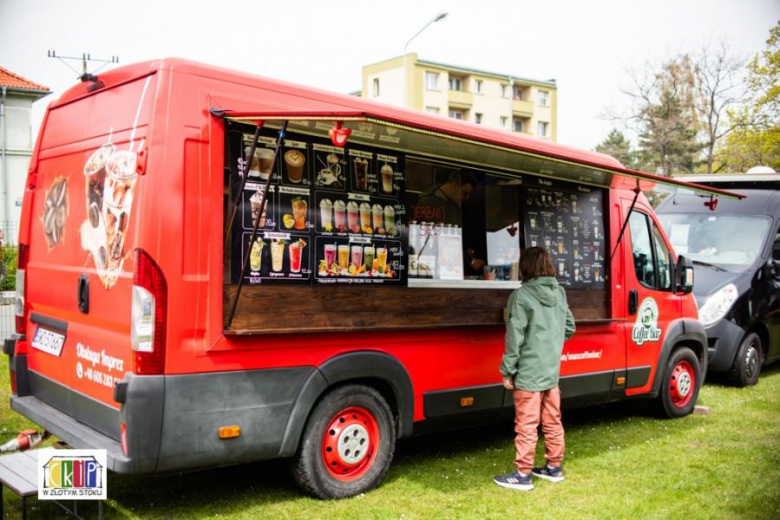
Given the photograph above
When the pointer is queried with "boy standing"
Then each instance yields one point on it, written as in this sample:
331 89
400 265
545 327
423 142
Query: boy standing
539 322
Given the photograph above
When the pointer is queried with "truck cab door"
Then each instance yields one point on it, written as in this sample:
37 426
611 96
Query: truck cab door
651 305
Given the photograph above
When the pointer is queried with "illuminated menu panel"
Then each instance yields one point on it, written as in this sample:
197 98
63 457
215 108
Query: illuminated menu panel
333 215
568 221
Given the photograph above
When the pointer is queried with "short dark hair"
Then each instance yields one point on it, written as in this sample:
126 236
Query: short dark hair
536 262
462 177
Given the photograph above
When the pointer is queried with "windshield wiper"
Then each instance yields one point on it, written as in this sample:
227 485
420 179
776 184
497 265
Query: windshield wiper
712 266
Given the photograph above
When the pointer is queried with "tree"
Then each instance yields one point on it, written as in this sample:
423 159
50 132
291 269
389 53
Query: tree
667 136
664 117
680 109
717 86
617 146
756 138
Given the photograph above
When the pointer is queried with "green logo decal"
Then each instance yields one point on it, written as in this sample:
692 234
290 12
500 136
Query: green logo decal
646 327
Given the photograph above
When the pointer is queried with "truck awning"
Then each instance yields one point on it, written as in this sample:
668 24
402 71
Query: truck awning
441 138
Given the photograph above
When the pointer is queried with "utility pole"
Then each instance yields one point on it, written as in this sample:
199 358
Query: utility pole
84 59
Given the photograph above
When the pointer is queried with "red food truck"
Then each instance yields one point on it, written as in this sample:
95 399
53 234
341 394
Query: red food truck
217 268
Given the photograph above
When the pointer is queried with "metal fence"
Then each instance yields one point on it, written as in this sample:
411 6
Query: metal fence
10 239
7 321
10 229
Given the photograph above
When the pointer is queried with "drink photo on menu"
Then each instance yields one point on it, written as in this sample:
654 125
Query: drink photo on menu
363 178
278 257
253 200
262 163
357 260
294 209
329 167
388 176
295 163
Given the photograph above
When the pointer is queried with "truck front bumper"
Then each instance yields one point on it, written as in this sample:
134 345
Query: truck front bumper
723 339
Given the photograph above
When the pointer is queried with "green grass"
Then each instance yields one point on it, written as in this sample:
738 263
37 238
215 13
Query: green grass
621 462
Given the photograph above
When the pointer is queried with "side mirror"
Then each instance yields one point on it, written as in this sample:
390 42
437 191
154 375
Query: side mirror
683 275
772 269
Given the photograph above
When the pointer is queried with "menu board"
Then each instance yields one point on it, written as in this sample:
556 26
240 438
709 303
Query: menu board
333 215
568 221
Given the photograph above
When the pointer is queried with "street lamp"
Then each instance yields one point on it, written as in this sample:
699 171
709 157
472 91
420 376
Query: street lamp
441 16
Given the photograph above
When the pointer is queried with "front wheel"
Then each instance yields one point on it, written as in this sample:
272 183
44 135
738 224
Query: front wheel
680 384
747 365
347 445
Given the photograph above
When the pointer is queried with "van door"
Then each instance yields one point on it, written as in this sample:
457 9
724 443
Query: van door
81 238
651 305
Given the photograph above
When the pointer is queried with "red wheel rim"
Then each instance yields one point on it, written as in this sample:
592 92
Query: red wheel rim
350 443
681 384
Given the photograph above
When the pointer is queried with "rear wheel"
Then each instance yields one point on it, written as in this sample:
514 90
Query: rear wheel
347 445
680 384
747 365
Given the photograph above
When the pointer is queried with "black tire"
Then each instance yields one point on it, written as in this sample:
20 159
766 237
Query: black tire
336 418
747 364
680 384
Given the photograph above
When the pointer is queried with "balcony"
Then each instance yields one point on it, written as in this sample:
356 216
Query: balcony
522 108
460 99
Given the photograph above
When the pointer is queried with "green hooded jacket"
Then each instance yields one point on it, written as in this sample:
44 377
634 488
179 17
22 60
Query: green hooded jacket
539 322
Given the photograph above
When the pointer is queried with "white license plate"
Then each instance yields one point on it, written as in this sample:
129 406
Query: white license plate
48 341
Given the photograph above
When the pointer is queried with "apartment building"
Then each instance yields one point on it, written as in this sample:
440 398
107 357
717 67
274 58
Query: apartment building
513 103
17 94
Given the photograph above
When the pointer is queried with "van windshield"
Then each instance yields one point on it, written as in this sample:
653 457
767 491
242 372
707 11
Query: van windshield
731 242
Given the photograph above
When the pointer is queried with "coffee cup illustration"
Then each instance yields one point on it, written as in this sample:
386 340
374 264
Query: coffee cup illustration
294 161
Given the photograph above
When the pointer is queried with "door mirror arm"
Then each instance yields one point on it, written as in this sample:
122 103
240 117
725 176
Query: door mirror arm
683 275
772 269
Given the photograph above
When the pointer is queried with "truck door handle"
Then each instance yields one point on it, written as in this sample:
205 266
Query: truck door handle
633 301
83 293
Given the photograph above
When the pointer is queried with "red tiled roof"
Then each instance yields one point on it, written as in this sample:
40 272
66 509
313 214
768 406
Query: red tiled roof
9 79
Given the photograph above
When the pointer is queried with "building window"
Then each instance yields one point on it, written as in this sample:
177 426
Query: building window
376 87
456 114
517 125
518 93
478 118
504 91
503 121
432 80
542 97
478 86
432 110
541 128
456 83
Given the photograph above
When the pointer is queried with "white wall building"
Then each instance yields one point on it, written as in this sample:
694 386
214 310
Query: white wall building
17 95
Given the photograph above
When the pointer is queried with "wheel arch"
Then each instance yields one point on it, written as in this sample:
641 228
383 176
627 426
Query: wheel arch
378 370
683 332
763 334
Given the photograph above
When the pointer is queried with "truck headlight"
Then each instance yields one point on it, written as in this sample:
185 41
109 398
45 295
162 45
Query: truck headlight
718 305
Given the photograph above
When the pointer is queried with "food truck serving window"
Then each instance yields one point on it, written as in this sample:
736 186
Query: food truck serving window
384 215
469 224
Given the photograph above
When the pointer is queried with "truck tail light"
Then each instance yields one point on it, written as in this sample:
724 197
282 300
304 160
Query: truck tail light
149 313
20 304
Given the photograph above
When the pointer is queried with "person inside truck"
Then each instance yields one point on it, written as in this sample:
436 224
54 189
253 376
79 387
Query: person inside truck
447 201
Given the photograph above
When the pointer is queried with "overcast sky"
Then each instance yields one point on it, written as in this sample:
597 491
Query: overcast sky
585 45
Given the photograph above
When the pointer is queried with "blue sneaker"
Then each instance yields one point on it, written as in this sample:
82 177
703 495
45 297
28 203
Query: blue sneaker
515 480
549 473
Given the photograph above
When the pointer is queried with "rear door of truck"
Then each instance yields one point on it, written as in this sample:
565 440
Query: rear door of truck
83 213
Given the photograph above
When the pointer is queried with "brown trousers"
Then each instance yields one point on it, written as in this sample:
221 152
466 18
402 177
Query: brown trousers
530 409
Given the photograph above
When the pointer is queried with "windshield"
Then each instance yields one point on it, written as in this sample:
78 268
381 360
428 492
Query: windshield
731 242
